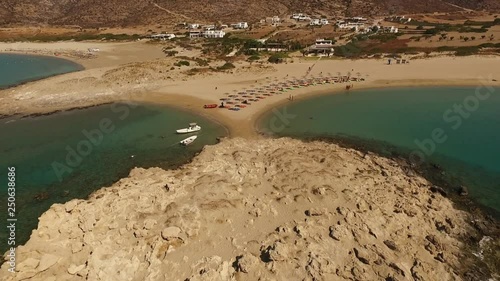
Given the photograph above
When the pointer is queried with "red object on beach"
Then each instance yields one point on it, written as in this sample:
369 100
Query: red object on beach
210 105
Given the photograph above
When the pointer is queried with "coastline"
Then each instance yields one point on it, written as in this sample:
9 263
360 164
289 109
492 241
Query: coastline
76 63
259 115
250 126
113 76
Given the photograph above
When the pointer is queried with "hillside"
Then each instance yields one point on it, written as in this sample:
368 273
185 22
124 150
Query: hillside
92 13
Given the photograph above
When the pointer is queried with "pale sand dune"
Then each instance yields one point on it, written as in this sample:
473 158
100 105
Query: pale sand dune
138 71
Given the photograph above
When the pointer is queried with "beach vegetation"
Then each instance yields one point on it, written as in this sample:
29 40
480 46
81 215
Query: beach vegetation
226 66
182 63
249 52
296 45
79 37
277 58
254 58
170 53
384 37
202 62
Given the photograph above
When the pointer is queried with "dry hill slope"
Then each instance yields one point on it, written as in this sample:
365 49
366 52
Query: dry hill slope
92 13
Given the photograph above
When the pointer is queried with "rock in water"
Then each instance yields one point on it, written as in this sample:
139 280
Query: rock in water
463 191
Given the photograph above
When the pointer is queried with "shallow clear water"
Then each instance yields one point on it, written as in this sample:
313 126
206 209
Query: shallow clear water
71 154
423 122
16 69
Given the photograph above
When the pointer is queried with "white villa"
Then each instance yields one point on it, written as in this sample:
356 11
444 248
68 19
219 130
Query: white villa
322 47
193 26
206 34
240 25
209 27
390 29
319 22
195 34
167 36
350 25
323 42
304 18
401 19
315 22
271 20
357 19
214 34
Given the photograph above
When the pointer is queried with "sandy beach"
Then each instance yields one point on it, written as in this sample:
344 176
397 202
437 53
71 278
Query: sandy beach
139 71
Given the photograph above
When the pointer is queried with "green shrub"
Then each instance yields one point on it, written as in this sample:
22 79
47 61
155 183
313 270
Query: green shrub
226 66
181 63
277 58
253 58
170 53
201 62
250 52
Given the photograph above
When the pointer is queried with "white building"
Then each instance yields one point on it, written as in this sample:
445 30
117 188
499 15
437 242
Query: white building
214 34
323 42
193 26
322 47
315 22
318 22
209 27
271 20
350 25
195 34
297 16
240 25
167 36
391 29
357 19
304 18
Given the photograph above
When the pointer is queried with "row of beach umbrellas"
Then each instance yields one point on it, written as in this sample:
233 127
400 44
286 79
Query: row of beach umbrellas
256 93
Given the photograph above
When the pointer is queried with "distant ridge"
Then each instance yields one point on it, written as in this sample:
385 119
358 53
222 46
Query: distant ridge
121 13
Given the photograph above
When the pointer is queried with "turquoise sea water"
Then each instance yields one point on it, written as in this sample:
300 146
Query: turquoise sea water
455 128
16 69
71 154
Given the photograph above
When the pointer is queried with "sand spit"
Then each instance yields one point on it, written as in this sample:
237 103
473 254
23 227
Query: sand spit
266 209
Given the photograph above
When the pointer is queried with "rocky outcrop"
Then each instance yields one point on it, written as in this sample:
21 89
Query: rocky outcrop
266 209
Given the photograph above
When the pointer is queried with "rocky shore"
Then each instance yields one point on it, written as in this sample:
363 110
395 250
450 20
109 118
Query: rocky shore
266 209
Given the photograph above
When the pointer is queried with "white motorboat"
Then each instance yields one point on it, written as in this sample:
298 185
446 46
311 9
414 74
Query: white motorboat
188 141
193 127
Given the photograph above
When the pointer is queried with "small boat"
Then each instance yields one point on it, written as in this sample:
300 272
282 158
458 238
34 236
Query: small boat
188 141
213 105
193 127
